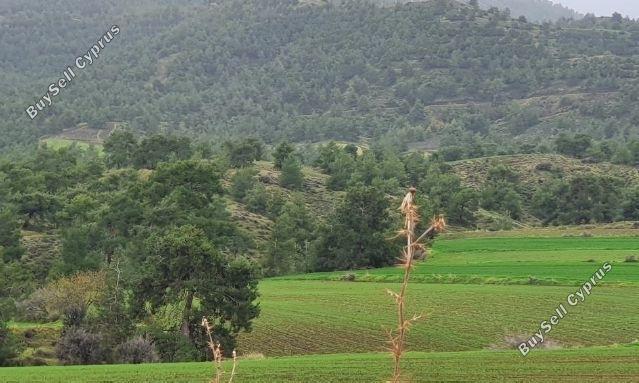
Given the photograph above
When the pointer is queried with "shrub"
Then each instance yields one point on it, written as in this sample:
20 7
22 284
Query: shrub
135 351
174 347
8 348
78 346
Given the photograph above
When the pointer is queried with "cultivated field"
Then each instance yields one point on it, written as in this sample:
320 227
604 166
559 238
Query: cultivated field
618 364
535 260
475 294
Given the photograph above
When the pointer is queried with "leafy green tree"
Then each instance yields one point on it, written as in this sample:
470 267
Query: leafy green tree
242 182
546 202
161 148
37 207
463 205
293 233
576 146
503 198
356 234
182 265
341 171
631 204
8 344
10 235
328 155
292 176
282 152
120 149
244 152
79 252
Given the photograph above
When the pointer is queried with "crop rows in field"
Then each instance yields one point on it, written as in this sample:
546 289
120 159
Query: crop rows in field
582 365
324 317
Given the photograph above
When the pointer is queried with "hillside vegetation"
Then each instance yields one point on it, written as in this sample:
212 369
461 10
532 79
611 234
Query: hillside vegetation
308 72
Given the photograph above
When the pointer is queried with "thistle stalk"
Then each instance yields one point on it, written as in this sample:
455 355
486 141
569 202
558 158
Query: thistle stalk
216 351
411 219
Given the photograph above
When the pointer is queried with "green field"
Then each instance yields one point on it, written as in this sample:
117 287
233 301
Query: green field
619 364
546 261
319 328
57 143
310 317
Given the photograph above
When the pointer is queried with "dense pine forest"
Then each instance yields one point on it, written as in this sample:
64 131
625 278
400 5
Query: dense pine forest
437 72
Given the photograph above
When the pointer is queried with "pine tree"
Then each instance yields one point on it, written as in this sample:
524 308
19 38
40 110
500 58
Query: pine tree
292 177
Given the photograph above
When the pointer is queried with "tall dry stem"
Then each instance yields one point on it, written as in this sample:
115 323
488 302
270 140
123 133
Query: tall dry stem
216 351
411 219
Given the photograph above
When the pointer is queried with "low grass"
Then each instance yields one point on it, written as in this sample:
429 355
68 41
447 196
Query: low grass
618 364
57 143
324 317
565 261
34 326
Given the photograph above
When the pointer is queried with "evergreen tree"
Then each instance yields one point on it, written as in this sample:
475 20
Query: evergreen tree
182 266
10 235
292 176
356 235
282 152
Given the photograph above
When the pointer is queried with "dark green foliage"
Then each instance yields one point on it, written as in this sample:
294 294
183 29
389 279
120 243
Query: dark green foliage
161 148
500 193
120 148
308 73
123 149
78 251
173 347
181 264
8 344
243 152
290 244
242 182
576 146
282 152
631 204
581 199
292 177
10 247
356 235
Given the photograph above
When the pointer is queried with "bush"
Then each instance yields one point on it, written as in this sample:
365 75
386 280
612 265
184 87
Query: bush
174 347
77 346
135 351
8 349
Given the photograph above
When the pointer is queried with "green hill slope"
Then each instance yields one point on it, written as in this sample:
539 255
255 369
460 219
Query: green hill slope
308 72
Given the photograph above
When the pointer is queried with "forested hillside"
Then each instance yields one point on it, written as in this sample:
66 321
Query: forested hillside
440 72
533 10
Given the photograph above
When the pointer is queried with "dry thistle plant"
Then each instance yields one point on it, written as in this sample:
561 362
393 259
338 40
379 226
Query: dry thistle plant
216 351
411 219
